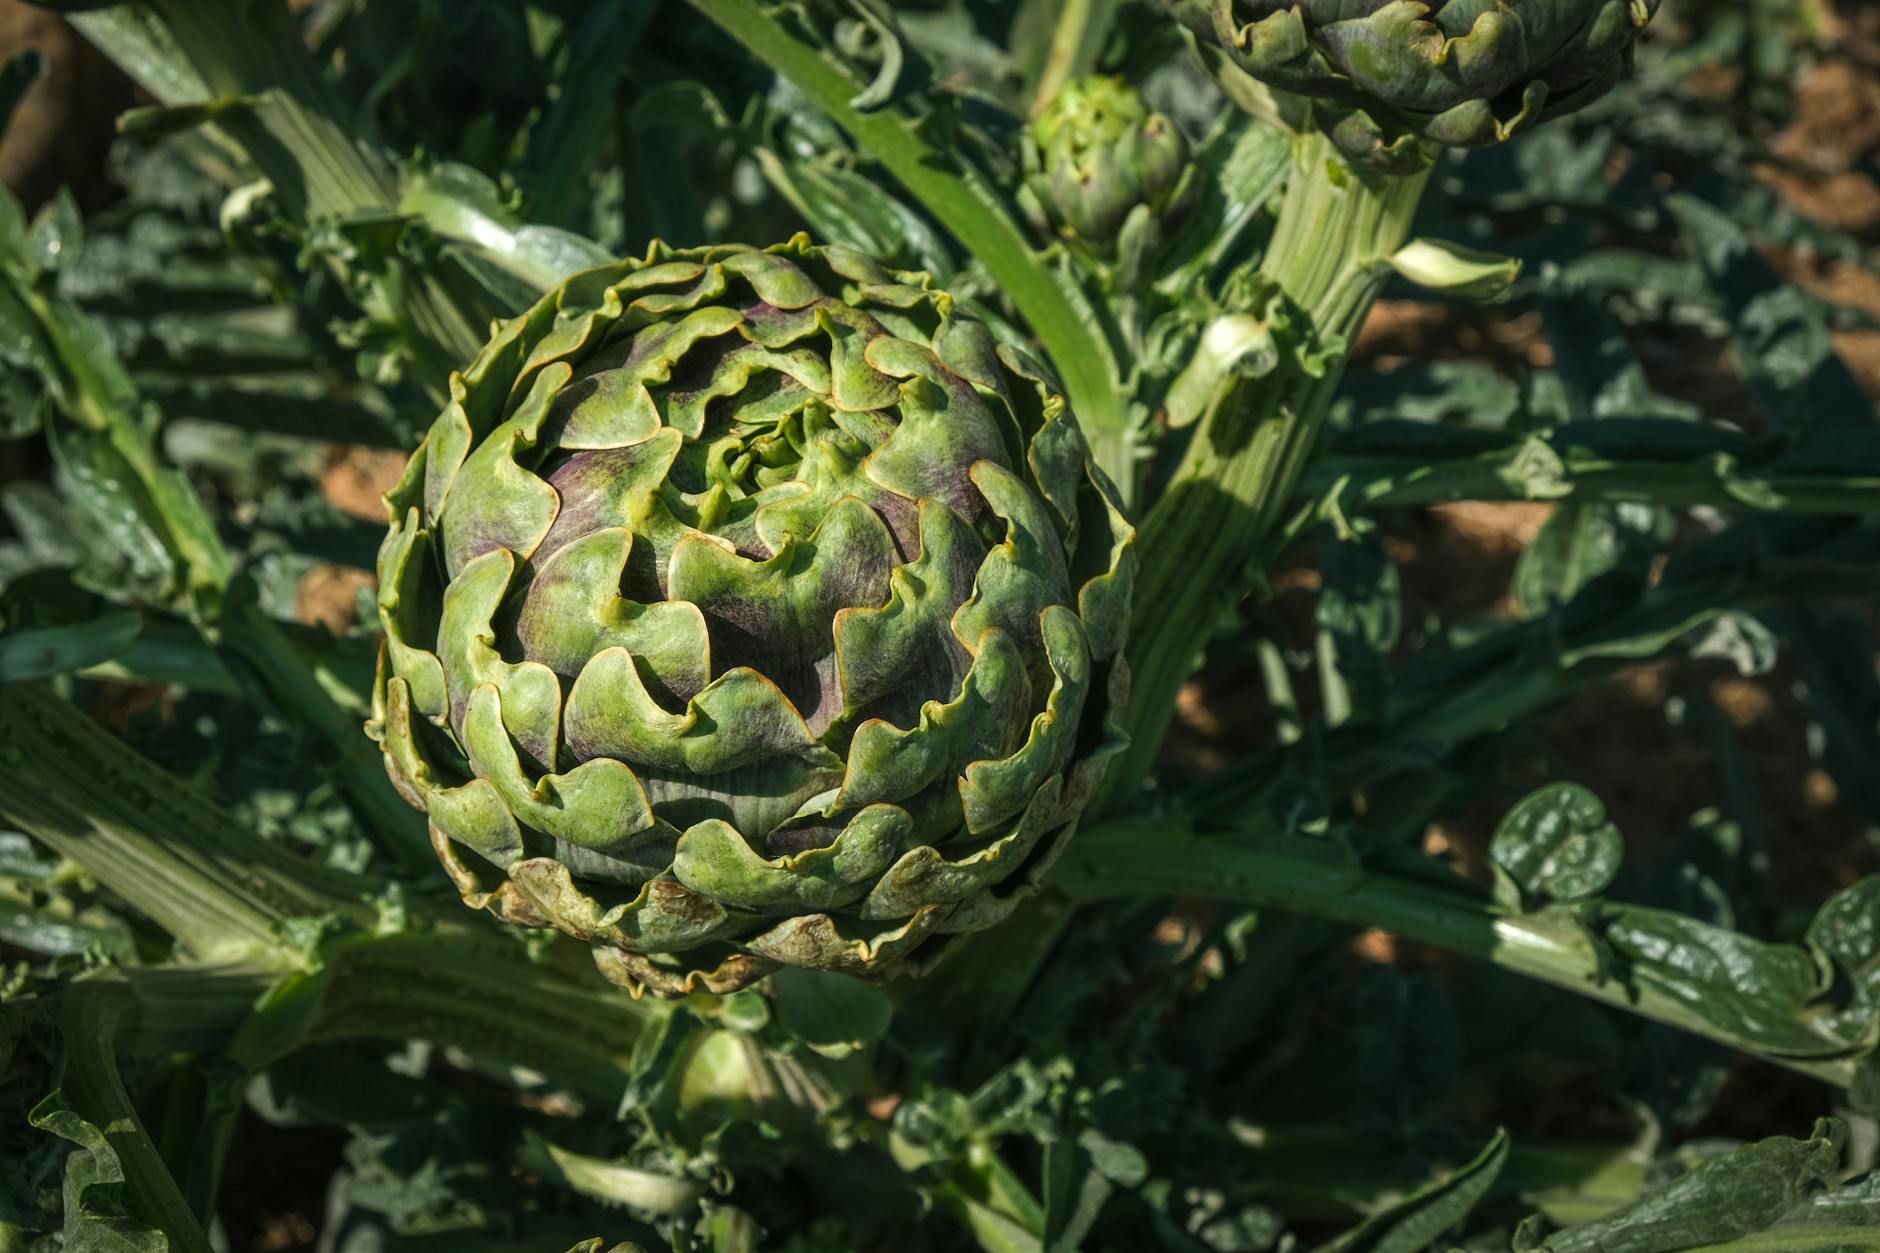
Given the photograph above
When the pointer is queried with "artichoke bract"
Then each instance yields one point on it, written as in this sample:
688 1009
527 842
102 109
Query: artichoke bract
748 607
1095 154
1389 77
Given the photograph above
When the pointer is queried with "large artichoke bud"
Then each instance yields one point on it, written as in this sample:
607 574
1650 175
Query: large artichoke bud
1388 77
1096 153
754 606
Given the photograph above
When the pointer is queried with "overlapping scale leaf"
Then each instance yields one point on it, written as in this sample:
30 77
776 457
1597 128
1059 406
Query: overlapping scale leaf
748 607
1391 76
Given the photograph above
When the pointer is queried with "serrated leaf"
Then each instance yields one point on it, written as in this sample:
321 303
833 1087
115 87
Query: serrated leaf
99 1208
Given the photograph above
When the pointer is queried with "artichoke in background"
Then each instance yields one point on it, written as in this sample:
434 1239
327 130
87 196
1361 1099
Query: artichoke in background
1389 78
748 607
1095 158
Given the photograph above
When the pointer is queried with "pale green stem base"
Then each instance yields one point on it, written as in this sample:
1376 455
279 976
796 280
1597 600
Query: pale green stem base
1335 229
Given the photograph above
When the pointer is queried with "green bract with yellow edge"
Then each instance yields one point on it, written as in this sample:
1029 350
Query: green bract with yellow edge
1388 78
751 606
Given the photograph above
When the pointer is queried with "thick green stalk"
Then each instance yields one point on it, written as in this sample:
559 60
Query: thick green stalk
482 994
163 846
1336 228
968 207
1134 859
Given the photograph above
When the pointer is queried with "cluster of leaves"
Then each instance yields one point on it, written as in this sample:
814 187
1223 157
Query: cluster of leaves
230 948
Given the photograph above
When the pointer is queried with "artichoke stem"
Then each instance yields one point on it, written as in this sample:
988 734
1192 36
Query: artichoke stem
1337 226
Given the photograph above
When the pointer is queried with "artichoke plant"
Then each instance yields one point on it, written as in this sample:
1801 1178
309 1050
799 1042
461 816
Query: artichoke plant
1096 154
1388 78
748 607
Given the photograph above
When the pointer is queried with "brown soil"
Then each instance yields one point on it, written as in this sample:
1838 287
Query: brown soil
357 479
58 135
355 482
328 596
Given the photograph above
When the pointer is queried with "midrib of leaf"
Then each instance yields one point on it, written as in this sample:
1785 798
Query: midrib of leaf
965 206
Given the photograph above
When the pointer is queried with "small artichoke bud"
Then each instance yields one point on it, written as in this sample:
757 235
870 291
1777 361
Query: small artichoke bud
751 607
1391 80
1095 153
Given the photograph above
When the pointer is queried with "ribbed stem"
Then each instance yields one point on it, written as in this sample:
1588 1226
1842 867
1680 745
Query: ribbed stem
1336 226
481 994
166 848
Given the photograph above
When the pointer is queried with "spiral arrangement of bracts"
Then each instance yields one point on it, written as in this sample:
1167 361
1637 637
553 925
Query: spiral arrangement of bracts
1389 76
748 607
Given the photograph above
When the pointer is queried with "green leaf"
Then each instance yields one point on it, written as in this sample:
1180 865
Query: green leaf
1729 1199
1844 1220
1412 1224
833 1014
136 39
1075 1191
1557 844
1846 930
1581 542
1784 351
1360 616
1749 990
42 652
463 205
611 1182
1454 270
1598 371
846 207
99 1213
58 233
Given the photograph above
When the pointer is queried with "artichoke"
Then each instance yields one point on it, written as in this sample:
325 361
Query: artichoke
748 607
1388 78
1094 155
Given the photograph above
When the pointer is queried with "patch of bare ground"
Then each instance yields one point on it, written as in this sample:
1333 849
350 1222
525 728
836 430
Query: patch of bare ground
60 130
355 482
